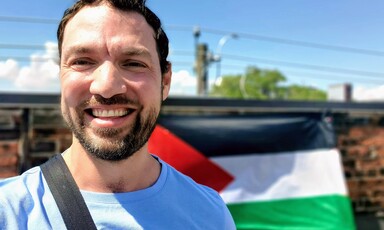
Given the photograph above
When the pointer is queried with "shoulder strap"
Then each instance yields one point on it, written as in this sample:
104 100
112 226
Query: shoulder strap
66 194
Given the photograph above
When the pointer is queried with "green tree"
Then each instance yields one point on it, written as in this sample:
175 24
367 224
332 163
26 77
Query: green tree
263 84
298 92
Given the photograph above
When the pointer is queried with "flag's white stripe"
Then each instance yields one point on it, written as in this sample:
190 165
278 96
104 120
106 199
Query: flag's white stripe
284 175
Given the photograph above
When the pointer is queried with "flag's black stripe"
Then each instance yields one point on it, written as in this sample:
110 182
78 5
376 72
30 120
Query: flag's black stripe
220 135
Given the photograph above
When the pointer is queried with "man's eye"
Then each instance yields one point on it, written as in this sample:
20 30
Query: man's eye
81 62
134 64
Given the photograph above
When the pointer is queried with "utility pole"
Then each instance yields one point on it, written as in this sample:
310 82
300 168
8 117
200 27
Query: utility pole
202 69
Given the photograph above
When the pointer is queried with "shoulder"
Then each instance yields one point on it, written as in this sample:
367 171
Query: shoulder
19 188
184 182
26 200
202 199
28 177
17 197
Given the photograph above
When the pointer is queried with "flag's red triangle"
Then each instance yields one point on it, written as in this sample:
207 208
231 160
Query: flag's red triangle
187 159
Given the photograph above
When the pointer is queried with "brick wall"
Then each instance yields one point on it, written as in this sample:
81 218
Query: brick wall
46 132
360 140
9 158
361 143
9 143
46 142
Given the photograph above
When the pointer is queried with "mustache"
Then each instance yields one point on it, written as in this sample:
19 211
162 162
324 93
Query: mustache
115 100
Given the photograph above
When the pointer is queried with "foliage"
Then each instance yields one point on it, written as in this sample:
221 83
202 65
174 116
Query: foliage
263 84
297 92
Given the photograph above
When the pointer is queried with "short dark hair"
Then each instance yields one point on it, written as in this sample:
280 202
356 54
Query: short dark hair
138 6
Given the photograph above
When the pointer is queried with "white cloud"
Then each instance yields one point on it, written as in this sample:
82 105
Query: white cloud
9 69
368 94
42 73
39 76
183 84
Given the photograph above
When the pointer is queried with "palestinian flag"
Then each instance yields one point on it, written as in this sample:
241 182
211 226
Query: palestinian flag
274 171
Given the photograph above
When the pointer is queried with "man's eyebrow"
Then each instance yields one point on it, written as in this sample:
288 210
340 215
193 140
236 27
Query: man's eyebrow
81 50
136 52
78 50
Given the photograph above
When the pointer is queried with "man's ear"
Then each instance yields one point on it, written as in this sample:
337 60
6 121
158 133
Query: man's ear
167 76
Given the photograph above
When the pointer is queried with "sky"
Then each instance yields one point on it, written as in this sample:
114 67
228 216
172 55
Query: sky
313 43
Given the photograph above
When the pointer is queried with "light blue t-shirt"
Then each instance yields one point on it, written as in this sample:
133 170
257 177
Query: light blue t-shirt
175 201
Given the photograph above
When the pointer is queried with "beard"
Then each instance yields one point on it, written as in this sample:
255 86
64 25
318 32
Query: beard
109 144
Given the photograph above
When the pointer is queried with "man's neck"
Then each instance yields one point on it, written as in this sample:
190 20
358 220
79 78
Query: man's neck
139 171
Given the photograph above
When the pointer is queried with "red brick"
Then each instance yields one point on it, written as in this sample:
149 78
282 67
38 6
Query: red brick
353 188
357 151
374 140
367 164
371 183
356 132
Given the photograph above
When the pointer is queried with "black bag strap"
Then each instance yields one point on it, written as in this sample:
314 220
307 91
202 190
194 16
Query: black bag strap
66 194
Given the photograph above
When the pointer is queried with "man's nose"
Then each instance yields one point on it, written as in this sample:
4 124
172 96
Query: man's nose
107 81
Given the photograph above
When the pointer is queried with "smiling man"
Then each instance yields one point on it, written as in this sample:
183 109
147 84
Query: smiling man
114 76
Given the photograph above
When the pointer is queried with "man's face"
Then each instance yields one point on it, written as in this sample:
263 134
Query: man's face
111 82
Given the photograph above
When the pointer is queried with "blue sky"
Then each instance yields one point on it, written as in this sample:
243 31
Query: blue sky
292 31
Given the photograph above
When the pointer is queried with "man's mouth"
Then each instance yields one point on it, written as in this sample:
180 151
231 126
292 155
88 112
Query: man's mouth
108 113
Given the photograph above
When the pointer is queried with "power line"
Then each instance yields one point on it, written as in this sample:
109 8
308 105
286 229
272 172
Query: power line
23 46
179 28
331 77
308 66
307 75
182 53
313 75
26 59
234 57
223 32
29 20
370 74
235 67
179 63
298 43
285 41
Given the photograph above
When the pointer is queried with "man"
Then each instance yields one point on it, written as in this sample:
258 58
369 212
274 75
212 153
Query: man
114 76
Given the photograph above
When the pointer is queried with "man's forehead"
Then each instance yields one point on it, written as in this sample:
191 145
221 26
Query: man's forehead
94 17
90 12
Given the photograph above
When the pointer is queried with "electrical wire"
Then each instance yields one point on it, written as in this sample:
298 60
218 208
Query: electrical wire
233 57
370 74
223 32
308 66
22 46
312 75
25 59
29 20
298 43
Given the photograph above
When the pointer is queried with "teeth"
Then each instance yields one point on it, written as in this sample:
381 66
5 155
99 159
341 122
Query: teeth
109 113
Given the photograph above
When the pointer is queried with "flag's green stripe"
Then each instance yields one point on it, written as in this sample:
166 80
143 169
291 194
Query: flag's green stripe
324 212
